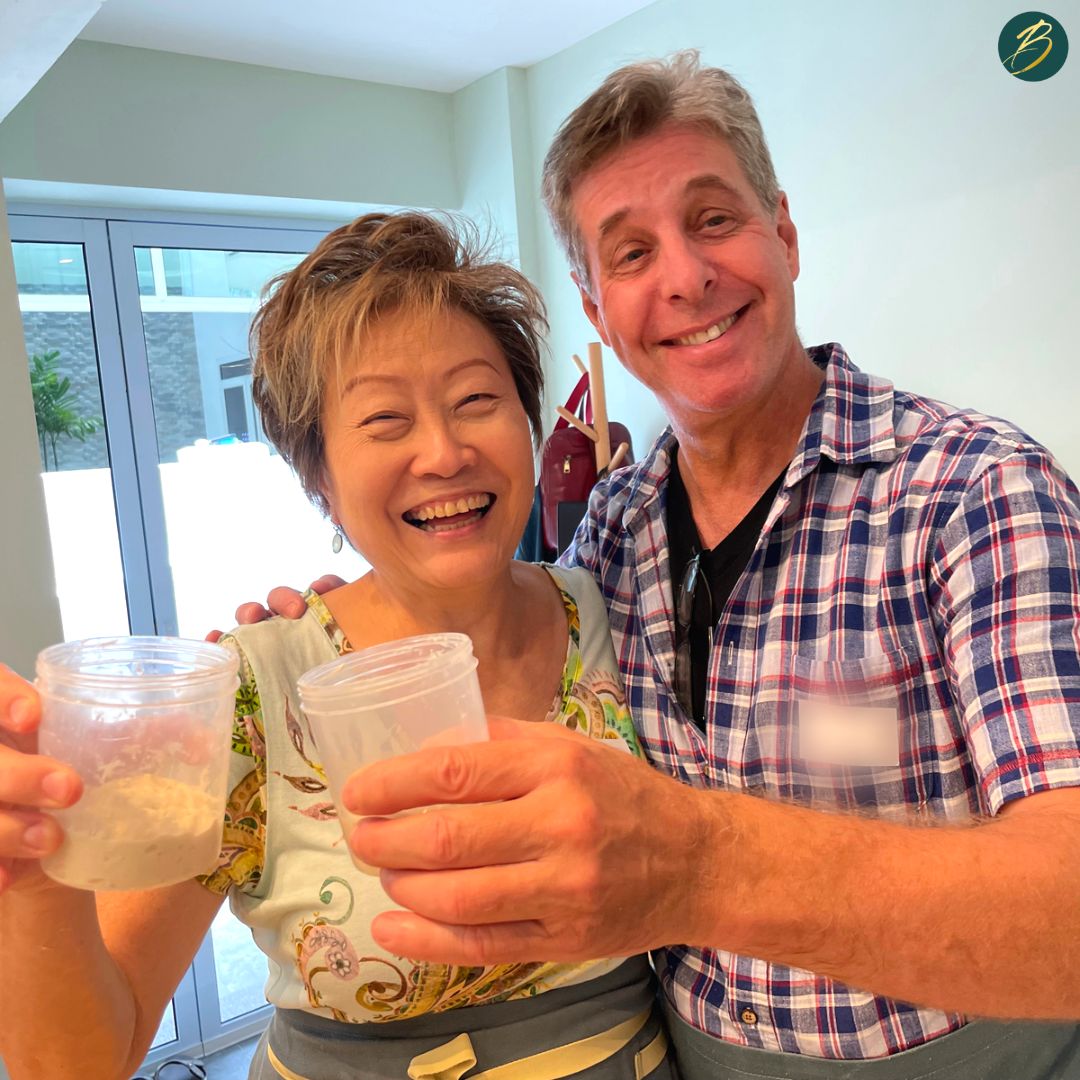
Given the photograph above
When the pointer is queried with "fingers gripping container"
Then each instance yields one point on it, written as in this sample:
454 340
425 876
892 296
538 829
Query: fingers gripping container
388 700
146 722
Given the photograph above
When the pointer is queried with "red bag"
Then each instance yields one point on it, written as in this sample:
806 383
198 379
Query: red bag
568 464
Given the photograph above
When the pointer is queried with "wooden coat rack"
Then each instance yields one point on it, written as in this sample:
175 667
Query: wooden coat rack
598 431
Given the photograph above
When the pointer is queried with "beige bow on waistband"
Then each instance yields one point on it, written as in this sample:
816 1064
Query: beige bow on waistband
447 1062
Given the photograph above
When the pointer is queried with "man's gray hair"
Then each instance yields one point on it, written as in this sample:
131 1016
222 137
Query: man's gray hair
635 101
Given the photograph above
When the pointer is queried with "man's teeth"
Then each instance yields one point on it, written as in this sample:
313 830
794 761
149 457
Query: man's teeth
449 508
711 334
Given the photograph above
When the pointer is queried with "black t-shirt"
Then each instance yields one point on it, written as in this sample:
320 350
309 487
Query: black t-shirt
722 567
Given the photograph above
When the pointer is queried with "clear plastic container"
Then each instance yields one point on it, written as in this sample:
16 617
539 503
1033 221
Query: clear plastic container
146 722
389 700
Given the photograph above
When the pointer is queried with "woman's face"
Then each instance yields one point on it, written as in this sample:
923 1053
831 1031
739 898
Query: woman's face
428 463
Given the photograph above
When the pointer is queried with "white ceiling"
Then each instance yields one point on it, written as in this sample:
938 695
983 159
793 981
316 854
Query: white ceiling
432 44
32 36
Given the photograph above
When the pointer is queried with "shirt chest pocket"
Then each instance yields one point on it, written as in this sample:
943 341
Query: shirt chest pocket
849 734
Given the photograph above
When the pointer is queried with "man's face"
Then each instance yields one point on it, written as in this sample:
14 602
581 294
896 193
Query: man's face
692 278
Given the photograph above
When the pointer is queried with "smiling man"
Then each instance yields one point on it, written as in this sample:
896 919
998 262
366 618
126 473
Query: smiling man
847 618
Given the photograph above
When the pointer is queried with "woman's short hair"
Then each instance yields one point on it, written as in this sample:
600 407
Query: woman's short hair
635 101
315 316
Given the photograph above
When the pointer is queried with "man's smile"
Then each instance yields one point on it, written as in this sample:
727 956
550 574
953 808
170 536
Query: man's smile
706 334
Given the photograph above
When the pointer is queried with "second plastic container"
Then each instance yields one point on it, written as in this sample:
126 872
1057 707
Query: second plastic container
389 700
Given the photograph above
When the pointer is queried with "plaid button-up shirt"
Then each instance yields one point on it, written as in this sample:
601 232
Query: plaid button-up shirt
916 557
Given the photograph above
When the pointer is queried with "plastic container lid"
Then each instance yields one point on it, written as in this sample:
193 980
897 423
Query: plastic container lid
94 666
385 674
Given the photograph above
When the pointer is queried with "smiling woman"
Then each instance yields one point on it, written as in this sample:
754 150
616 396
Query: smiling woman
397 369
319 318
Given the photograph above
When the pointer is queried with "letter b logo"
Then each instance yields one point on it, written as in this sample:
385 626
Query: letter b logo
1033 46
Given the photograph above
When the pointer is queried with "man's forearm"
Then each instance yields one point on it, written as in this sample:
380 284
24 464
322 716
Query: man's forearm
982 919
66 1008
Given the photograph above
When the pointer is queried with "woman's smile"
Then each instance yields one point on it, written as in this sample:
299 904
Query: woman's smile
450 514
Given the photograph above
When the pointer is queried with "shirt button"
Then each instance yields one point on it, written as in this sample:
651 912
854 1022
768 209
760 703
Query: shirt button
748 1016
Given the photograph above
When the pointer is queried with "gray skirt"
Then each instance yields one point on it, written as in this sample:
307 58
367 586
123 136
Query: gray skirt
981 1050
609 1028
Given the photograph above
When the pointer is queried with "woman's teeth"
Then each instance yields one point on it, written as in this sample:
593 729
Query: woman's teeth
449 526
711 334
449 508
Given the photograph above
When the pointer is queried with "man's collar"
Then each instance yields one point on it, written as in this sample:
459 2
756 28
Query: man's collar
850 422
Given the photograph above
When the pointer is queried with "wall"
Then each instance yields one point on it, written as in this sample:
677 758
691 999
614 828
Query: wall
935 195
29 616
493 162
109 114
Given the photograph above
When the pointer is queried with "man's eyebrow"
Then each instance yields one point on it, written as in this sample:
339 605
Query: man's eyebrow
706 181
358 379
712 182
612 221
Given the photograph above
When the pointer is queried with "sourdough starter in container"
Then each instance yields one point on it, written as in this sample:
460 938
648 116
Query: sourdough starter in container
132 833
146 723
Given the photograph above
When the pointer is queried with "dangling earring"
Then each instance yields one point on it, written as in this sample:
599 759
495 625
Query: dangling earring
338 540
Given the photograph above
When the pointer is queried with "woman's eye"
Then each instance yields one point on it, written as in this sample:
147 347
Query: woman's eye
632 255
382 421
715 219
476 404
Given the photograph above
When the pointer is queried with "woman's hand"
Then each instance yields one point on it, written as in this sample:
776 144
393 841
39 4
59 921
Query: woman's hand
29 784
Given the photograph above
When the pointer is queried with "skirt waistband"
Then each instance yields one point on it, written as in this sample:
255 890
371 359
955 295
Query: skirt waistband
606 1025
631 972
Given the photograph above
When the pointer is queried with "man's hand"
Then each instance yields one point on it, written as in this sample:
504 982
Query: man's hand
282 601
558 848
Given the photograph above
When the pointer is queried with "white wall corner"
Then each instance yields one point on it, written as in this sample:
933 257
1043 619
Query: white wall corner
530 211
33 35
483 161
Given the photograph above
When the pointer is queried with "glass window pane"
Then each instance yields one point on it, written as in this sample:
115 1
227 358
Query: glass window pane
166 1032
56 269
206 273
59 331
239 966
236 412
174 272
144 268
